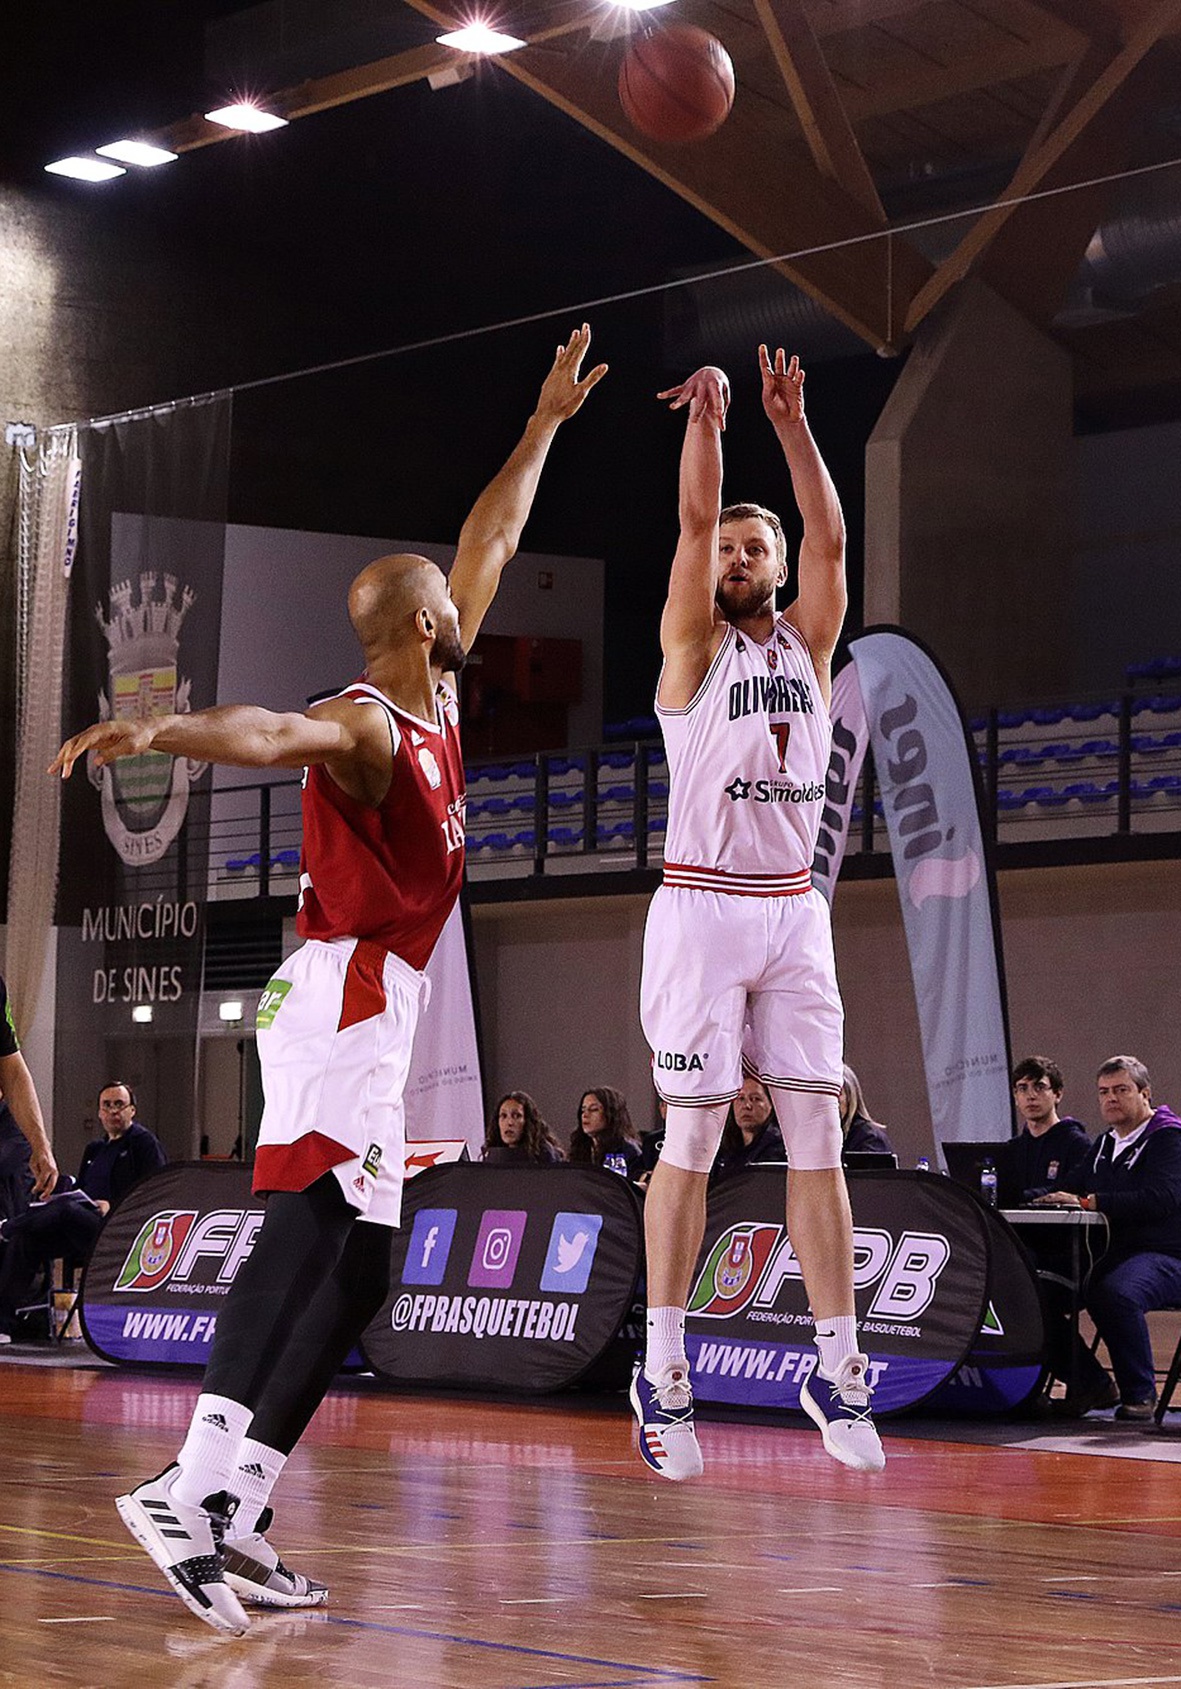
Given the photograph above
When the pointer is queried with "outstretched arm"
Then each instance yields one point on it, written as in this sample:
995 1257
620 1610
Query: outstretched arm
19 1092
240 735
819 611
492 532
690 621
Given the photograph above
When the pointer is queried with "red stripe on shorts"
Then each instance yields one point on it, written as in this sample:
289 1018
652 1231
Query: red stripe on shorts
364 984
293 1167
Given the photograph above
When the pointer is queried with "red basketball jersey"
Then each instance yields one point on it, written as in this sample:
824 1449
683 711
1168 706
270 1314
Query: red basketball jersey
390 872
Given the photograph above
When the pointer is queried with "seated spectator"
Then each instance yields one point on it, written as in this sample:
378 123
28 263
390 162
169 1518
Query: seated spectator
605 1136
68 1222
751 1133
1049 1147
517 1136
1133 1176
859 1131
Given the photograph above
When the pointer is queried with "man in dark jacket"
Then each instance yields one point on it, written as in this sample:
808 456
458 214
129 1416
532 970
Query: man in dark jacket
1133 1176
69 1222
1050 1147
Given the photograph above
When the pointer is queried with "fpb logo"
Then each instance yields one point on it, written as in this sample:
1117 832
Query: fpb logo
155 1251
736 1263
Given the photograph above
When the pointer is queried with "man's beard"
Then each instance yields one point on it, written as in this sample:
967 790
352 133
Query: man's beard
448 654
736 599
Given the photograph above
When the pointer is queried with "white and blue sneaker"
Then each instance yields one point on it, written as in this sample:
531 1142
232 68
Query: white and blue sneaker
256 1574
841 1408
186 1543
666 1439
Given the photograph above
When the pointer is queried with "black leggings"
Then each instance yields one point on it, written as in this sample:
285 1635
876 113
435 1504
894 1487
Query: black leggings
313 1281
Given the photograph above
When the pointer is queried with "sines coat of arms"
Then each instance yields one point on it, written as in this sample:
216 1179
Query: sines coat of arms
144 798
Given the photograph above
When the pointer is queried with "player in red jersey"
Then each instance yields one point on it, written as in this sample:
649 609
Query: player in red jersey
381 868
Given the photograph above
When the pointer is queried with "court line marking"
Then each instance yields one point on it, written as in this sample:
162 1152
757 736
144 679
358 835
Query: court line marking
1083 1683
815 1589
656 1675
531 1600
98 1618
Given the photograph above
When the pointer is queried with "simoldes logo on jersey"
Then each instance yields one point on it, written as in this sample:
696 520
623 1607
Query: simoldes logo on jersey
749 1265
188 1251
772 791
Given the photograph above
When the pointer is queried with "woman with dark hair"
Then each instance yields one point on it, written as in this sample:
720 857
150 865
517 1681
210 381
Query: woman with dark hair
859 1131
605 1136
518 1136
751 1133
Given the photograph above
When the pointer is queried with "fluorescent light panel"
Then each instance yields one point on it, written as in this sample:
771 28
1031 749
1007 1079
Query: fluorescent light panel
250 119
230 1009
479 38
85 169
136 152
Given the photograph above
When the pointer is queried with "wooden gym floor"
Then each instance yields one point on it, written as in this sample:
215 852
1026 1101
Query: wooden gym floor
506 1546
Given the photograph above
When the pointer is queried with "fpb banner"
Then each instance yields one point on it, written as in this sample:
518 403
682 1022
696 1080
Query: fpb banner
164 1263
930 788
920 1277
508 1278
1006 1363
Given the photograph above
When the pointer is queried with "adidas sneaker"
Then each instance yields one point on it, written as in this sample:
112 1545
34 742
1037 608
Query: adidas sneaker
186 1543
255 1572
840 1407
667 1438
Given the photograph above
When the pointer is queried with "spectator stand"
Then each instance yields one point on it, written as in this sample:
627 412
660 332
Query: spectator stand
1107 768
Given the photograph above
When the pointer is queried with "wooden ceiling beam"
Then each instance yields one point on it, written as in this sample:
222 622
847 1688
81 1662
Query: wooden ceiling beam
935 82
1057 160
827 129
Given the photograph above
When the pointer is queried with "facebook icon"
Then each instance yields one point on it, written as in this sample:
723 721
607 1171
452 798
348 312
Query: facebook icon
429 1246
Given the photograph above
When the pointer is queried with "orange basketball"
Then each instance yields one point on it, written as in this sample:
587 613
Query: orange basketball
676 84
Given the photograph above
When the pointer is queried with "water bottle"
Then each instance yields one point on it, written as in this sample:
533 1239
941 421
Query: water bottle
988 1183
615 1163
922 1165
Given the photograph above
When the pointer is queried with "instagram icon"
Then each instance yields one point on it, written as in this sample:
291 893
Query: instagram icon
494 1259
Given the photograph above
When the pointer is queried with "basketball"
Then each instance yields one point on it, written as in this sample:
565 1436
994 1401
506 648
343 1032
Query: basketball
676 84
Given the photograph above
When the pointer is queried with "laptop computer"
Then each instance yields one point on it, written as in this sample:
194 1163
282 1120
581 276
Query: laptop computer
965 1159
866 1160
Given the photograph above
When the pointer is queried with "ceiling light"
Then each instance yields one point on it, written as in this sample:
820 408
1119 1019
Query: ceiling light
230 1010
250 119
480 38
137 152
141 1014
85 169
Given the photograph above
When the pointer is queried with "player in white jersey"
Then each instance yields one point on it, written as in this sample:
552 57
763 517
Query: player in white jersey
738 961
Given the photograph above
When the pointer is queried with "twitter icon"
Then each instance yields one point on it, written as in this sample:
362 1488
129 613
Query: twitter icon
571 1253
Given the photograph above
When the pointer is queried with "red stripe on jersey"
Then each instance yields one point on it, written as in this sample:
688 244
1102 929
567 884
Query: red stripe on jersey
364 985
293 1167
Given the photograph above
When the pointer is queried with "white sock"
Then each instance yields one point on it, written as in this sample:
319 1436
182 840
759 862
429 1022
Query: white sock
665 1353
836 1339
252 1481
209 1453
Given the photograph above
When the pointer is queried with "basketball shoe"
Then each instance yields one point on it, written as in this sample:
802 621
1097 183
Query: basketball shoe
840 1407
255 1572
667 1440
186 1543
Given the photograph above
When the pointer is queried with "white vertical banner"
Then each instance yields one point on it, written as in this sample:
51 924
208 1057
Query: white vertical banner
850 740
444 1098
929 783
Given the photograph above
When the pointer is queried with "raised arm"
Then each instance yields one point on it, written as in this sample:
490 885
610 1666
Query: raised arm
492 532
690 623
819 610
19 1092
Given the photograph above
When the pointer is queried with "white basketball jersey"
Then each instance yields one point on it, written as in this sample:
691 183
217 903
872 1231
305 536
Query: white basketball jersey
747 761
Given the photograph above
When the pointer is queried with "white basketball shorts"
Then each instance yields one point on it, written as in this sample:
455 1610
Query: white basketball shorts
335 1030
733 984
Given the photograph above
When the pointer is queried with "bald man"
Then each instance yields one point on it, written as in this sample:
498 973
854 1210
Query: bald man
381 866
